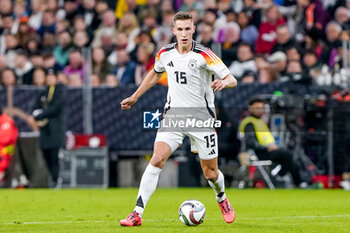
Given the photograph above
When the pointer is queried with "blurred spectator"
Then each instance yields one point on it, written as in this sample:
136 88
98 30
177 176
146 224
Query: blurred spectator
267 30
149 21
19 9
143 37
307 14
124 6
33 45
8 138
145 59
312 41
164 33
74 80
107 25
39 77
278 61
24 31
284 40
9 24
230 45
80 40
265 72
100 65
87 10
101 6
154 6
95 80
248 77
245 62
75 65
52 5
125 68
331 44
249 33
8 78
3 62
70 9
49 41
37 60
62 78
80 25
254 10
12 46
167 5
293 53
62 25
129 24
342 17
191 4
48 23
312 65
64 47
206 38
225 5
295 72
210 16
108 42
111 81
36 15
23 68
50 62
6 7
231 16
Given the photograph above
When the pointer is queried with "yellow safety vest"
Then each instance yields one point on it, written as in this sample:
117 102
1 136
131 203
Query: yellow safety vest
262 131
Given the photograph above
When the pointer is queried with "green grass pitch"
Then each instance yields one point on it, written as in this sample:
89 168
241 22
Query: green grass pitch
95 210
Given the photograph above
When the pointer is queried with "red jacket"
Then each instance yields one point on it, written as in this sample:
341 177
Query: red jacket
8 138
267 36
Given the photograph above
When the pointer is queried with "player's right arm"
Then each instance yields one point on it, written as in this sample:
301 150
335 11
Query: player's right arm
150 80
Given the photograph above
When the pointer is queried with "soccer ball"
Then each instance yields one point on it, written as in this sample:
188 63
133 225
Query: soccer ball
192 212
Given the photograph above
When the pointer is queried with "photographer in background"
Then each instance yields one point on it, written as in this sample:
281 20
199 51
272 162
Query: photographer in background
258 137
49 115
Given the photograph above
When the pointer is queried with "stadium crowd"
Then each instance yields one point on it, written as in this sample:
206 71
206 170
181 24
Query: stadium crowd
260 41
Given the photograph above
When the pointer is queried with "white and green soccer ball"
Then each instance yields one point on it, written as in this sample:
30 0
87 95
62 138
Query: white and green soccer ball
192 212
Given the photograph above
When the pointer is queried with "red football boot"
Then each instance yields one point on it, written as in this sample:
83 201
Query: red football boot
227 211
133 219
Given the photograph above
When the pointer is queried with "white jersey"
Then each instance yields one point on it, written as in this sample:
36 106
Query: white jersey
190 75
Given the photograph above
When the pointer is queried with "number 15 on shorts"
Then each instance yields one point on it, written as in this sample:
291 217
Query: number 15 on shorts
210 139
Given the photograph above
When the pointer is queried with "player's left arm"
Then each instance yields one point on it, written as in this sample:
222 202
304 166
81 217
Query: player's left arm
227 82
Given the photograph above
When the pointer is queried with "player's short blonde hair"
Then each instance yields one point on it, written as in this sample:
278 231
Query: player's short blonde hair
182 15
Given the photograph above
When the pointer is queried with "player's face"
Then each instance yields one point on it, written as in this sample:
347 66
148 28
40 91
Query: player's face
183 30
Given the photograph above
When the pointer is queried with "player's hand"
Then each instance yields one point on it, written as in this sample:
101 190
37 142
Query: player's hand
128 102
218 85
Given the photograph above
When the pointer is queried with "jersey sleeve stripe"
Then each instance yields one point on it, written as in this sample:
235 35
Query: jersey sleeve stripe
160 52
213 55
164 49
209 59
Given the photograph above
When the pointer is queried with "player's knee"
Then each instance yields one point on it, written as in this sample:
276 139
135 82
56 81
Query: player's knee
158 161
211 174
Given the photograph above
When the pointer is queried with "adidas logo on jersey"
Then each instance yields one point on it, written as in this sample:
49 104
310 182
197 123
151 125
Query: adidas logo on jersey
212 152
170 64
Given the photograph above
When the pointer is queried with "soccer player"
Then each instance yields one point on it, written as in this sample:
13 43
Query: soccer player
190 68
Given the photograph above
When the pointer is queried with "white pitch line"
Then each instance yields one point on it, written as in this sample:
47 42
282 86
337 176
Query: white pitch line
173 220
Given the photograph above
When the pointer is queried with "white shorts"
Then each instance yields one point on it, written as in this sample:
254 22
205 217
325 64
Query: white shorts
203 143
